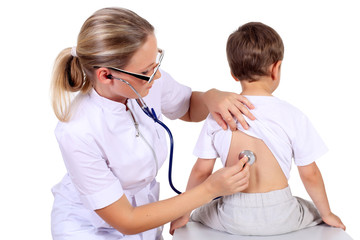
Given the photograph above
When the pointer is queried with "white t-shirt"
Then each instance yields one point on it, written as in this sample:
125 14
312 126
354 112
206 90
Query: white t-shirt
104 155
286 131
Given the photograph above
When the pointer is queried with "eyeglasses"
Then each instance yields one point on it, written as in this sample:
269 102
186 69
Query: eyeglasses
140 76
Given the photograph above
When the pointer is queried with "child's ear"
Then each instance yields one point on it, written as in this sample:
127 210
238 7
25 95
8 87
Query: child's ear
235 78
275 70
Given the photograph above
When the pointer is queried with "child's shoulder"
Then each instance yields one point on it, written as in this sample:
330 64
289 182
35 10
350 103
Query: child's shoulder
273 104
211 124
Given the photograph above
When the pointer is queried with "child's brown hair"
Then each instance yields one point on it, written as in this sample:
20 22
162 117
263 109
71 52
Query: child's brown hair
251 49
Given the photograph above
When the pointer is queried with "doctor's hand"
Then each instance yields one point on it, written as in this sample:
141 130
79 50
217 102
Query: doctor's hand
229 180
224 105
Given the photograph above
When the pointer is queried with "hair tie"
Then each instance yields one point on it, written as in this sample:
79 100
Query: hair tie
73 51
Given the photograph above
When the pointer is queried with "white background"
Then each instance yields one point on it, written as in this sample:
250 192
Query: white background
320 75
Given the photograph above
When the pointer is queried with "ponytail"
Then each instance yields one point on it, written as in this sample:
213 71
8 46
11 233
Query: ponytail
67 78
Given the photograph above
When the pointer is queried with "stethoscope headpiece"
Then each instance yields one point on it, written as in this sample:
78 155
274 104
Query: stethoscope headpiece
249 154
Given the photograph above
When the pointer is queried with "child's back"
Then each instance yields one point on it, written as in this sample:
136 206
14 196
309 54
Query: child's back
266 173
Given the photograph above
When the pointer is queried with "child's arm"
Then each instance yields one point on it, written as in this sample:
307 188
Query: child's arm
314 184
200 172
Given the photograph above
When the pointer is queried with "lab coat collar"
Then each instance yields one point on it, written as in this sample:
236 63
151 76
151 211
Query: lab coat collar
105 103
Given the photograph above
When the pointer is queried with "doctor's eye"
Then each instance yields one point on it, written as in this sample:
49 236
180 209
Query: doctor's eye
145 72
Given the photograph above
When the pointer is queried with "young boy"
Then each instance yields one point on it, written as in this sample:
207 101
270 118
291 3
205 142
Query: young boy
279 134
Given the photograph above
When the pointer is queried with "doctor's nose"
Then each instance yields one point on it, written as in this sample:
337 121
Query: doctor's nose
157 75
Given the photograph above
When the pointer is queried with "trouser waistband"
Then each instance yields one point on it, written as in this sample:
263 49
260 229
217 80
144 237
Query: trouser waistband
259 199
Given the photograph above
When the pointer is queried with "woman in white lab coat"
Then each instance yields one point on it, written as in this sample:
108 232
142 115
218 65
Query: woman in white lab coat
111 149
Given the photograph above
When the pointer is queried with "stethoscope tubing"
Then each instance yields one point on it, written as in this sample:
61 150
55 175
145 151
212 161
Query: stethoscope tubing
152 114
170 156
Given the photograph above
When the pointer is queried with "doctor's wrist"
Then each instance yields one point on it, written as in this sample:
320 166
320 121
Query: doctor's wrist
210 190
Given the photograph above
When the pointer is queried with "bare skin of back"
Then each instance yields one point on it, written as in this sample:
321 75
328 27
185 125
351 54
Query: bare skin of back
265 173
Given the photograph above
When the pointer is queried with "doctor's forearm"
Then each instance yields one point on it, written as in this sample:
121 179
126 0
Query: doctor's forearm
198 110
164 211
132 220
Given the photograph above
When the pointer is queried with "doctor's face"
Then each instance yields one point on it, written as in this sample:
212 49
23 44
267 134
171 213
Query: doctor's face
144 62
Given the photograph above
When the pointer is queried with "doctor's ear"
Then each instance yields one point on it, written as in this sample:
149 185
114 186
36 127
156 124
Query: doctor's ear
104 75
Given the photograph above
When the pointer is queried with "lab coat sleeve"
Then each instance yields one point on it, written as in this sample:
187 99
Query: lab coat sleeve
175 97
89 172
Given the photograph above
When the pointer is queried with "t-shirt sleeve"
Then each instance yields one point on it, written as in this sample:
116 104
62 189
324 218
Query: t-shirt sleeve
89 172
204 147
307 143
175 100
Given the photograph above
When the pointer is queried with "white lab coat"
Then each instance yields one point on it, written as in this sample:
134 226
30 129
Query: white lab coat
105 158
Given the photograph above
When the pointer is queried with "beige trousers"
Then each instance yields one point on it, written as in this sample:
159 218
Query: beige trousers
271 213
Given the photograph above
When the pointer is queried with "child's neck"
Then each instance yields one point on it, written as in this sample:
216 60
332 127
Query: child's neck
256 89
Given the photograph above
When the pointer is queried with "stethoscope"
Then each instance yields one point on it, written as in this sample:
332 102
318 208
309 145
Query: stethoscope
152 114
250 156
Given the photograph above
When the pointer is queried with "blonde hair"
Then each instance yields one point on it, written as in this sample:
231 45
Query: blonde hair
109 37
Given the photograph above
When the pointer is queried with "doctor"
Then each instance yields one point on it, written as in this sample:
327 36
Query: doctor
111 149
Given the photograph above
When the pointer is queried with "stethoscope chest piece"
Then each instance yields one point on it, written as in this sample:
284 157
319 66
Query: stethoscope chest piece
249 154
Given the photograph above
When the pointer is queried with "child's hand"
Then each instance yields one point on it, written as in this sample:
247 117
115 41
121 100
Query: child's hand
334 221
178 223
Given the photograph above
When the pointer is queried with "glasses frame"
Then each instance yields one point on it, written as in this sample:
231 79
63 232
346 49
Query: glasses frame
140 76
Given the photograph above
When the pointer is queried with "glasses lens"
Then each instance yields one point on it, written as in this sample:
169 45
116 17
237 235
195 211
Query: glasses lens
154 73
159 58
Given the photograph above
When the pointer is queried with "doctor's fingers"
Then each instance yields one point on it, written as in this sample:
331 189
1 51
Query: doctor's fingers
243 174
242 184
239 110
235 184
227 115
244 101
239 166
219 119
241 179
